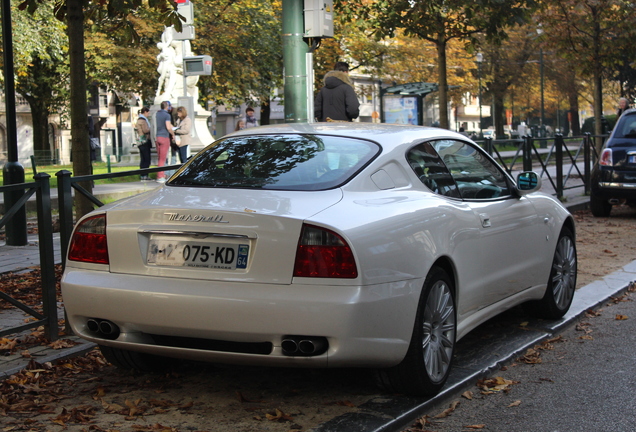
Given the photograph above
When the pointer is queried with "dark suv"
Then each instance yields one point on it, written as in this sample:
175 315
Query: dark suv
614 176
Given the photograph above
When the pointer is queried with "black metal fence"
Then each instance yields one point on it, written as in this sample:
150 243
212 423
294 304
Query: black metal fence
561 159
48 318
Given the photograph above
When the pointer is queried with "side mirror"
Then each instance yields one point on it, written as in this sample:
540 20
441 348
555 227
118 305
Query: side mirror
528 182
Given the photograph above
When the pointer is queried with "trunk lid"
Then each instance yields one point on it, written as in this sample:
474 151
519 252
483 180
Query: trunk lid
211 233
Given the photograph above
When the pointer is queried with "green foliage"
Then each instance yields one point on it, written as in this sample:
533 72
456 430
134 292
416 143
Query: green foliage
243 38
40 48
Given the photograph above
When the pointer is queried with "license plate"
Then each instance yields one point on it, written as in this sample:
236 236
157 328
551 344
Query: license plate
179 253
631 159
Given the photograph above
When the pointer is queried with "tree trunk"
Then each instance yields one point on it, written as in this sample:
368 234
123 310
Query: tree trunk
443 84
266 110
40 116
80 147
571 89
499 88
598 83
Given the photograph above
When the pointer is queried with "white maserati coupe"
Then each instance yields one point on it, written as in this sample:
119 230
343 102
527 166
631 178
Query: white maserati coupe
320 245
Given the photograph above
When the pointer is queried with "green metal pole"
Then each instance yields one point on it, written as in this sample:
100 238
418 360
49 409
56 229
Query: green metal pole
294 62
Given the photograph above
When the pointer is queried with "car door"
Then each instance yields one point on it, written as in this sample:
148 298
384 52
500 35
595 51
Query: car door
499 261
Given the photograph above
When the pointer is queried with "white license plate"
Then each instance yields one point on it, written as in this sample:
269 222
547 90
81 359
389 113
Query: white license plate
184 253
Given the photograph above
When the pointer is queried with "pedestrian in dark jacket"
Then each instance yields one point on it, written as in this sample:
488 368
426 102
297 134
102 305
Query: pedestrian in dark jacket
337 100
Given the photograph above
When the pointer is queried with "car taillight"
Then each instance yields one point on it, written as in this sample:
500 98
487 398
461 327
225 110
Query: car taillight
322 253
88 243
606 158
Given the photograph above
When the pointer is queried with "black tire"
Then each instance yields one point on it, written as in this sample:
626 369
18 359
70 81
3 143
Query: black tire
427 363
132 360
600 207
562 283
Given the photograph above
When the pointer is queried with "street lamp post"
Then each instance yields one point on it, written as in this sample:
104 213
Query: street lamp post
542 119
480 59
541 125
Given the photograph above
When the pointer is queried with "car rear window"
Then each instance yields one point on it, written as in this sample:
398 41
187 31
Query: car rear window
626 127
279 162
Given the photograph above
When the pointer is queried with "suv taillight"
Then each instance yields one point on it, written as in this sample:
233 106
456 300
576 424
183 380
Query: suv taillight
88 243
606 158
322 253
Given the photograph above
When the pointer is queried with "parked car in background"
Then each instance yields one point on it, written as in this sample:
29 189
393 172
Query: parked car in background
320 245
489 133
614 175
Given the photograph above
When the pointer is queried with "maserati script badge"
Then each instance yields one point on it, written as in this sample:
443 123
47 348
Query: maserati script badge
177 217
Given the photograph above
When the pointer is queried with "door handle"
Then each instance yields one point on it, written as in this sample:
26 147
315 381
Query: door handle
485 220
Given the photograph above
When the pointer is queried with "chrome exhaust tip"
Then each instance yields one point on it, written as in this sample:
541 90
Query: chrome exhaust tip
92 325
304 346
103 328
309 346
289 347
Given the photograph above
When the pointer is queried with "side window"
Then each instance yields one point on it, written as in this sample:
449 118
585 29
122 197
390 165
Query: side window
430 169
476 176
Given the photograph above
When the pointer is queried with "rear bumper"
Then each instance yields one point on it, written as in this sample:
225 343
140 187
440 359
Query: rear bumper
614 190
366 326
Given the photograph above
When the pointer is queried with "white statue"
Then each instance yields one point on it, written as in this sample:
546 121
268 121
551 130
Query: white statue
170 69
184 49
171 82
167 66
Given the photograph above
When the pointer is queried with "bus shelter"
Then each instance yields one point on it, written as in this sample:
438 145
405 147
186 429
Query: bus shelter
404 103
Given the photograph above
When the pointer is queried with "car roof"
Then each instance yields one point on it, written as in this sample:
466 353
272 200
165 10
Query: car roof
387 135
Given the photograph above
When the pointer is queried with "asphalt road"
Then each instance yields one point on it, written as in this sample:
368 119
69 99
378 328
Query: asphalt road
582 380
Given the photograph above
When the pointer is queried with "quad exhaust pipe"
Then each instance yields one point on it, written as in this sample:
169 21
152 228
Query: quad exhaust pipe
304 346
103 328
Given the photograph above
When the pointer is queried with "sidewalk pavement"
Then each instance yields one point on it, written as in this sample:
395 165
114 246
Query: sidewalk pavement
377 415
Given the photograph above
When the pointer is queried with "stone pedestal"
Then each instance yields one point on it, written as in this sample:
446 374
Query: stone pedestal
202 137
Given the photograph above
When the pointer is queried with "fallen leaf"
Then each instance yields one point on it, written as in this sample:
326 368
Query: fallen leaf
100 392
278 416
422 422
62 343
531 356
495 384
448 410
112 408
243 399
468 394
187 405
477 426
515 404
621 317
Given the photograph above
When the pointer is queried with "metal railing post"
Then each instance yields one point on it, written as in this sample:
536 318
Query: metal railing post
489 145
65 204
558 144
587 160
527 153
34 165
47 258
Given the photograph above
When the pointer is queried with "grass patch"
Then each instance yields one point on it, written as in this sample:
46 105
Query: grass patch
98 168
